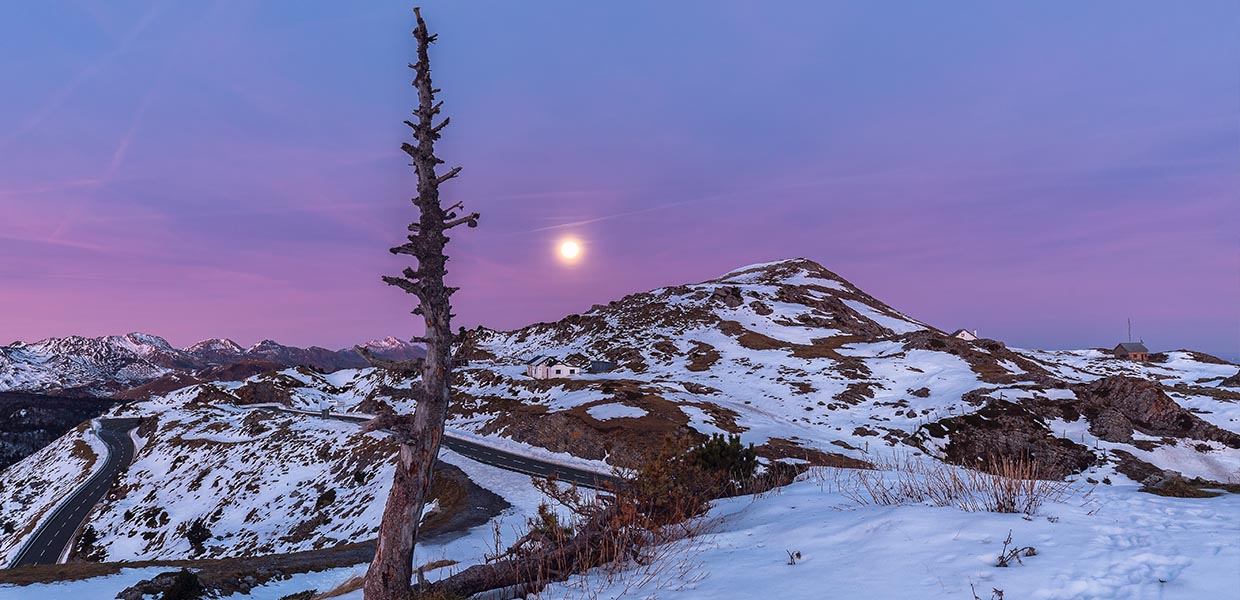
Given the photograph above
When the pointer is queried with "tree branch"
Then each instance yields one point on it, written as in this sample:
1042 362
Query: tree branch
470 219
448 175
411 287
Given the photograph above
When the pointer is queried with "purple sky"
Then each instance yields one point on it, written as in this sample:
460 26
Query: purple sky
1039 172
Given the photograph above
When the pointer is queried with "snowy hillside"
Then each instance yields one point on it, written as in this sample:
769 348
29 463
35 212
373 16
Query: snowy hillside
810 369
31 489
1100 543
789 356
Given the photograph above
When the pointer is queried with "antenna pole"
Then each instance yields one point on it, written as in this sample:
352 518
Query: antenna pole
1130 329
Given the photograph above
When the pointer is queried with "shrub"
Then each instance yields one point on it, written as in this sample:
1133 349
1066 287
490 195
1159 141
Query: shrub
1007 485
197 535
325 499
726 456
87 548
670 486
547 524
185 586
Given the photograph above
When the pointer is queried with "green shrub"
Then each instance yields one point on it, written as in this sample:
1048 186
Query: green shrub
726 456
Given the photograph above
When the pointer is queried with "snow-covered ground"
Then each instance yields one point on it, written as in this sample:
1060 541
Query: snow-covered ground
1108 542
1115 543
466 549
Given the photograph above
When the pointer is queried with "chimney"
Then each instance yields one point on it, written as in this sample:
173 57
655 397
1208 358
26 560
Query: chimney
975 333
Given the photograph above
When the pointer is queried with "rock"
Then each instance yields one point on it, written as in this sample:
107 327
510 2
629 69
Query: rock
1002 430
728 295
171 585
263 392
1233 381
1117 406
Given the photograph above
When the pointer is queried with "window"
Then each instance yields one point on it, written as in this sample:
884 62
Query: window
557 371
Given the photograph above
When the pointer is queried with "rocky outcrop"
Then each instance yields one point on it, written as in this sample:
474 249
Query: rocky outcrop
1233 381
1002 430
1117 406
263 392
991 359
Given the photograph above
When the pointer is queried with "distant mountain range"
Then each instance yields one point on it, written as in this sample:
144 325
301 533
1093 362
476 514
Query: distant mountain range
113 365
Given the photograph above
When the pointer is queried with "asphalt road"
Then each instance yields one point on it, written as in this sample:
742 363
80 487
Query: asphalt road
49 541
509 461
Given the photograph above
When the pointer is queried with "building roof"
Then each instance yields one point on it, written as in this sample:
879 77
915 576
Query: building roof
1131 347
544 360
960 331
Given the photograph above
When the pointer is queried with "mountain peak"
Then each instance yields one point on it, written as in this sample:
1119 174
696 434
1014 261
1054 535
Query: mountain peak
145 339
216 345
787 271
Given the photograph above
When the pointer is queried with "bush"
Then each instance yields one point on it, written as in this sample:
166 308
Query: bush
197 535
325 499
726 456
87 548
185 586
1007 485
547 524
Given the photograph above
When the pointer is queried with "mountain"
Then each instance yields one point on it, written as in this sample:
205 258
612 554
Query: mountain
105 366
788 355
217 350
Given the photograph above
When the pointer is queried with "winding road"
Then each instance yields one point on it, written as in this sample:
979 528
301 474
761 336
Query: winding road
489 455
49 541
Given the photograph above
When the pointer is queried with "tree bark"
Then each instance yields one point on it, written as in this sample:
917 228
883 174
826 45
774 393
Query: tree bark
418 438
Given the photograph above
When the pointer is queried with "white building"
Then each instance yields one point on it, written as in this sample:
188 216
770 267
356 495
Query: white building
965 334
549 367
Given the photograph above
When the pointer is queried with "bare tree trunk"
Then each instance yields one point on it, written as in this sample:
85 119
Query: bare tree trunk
419 435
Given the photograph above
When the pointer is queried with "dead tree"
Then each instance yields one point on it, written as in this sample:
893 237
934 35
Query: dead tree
418 435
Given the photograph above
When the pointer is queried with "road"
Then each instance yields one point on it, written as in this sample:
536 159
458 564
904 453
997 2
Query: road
509 461
50 539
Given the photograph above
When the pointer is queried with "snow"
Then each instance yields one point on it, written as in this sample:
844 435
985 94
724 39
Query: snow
467 548
31 489
85 589
1116 543
700 421
899 325
603 412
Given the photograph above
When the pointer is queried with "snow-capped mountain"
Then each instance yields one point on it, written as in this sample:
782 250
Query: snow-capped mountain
788 355
218 350
106 365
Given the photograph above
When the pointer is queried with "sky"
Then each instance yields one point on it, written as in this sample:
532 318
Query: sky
1041 172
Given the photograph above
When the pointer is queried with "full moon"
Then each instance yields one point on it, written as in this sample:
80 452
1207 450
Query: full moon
569 249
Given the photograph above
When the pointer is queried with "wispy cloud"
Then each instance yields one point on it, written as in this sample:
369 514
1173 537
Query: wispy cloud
86 73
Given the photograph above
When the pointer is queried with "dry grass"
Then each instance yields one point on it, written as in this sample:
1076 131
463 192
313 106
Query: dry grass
351 584
1008 485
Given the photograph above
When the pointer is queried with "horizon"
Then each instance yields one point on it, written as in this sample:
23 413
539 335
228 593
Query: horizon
194 173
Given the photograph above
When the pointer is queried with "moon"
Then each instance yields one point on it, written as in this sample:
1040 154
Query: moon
570 250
